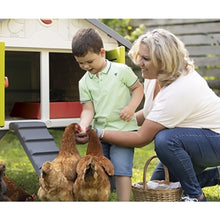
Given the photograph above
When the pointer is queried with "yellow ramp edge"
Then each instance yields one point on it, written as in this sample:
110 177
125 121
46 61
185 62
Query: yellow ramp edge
2 84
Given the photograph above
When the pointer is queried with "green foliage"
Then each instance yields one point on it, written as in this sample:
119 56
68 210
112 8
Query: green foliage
123 27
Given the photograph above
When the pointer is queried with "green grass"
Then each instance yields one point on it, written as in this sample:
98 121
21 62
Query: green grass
20 170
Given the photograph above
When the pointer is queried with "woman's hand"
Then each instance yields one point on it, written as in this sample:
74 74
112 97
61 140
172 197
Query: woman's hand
81 136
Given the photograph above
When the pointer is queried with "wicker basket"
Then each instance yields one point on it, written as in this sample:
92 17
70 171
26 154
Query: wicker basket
162 195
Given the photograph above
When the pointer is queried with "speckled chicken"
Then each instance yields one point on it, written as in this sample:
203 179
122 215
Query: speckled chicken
57 177
93 171
3 186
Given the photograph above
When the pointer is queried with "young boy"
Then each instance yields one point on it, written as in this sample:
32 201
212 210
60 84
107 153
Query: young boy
110 94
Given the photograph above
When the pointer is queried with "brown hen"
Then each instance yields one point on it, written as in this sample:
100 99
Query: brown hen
16 193
10 191
93 171
57 177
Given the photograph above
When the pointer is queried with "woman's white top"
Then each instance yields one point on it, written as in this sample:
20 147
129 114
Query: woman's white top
187 102
149 85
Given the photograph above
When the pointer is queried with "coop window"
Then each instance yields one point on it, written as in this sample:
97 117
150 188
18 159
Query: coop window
64 77
23 72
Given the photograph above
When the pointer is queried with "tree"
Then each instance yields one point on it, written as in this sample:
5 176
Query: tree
123 27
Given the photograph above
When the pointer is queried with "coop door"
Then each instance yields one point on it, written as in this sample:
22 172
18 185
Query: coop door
2 84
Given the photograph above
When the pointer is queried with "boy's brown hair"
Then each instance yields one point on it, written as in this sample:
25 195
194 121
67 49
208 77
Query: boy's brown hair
85 40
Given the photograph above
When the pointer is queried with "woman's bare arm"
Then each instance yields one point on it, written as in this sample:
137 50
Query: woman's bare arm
140 117
142 137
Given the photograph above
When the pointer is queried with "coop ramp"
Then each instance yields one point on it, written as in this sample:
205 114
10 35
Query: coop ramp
37 142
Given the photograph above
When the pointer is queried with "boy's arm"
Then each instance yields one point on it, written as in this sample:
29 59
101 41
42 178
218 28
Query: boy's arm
86 115
137 94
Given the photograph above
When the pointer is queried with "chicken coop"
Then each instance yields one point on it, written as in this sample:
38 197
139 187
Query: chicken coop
41 88
42 73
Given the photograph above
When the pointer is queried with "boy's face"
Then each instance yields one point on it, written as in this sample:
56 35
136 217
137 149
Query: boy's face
92 62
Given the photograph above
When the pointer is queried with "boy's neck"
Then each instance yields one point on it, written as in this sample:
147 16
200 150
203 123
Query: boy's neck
103 67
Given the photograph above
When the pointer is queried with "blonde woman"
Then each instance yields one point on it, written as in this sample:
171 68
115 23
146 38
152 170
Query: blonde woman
181 114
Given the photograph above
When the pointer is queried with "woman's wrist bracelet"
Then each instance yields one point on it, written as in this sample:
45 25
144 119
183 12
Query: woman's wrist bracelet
100 133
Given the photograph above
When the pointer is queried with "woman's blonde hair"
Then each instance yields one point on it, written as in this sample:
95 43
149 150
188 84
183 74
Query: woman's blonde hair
167 53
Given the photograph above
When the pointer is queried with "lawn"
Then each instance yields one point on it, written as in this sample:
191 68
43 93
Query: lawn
20 170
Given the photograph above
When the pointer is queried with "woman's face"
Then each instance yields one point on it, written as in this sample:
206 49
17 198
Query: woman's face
149 71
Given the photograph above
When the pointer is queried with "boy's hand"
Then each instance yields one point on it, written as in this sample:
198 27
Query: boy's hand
126 114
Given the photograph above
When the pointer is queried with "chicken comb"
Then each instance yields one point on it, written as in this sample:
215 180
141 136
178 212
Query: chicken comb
34 197
77 128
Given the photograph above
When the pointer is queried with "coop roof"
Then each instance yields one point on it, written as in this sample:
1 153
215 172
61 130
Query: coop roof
110 32
121 40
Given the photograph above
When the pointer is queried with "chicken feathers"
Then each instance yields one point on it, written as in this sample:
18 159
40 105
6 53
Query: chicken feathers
10 191
93 171
57 177
3 186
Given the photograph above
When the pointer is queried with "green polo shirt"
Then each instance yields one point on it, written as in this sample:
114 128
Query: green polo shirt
109 93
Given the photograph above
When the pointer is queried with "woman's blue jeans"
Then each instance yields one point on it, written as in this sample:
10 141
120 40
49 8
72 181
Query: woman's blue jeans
187 152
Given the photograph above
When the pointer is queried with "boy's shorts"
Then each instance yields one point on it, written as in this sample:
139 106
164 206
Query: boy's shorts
121 158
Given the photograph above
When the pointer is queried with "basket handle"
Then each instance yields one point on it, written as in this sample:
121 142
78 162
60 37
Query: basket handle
145 171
